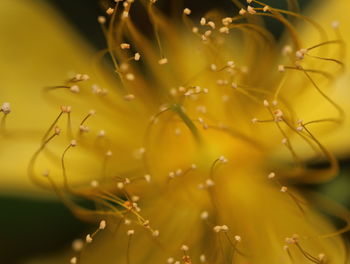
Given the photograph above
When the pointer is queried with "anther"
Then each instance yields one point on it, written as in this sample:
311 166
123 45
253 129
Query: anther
125 14
127 181
271 175
88 238
120 185
293 239
66 109
73 143
222 228
170 260
184 248
171 175
284 189
130 232
57 131
202 258
242 11
77 245
109 11
135 198
74 89
109 153
238 238
94 183
226 21
187 11
204 215
300 54
177 131
287 50
6 108
207 33
178 172
73 260
102 225
147 177
155 233
101 20
85 77
195 30
281 68
137 56
129 97
266 8
101 133
84 128
130 77
321 257
278 115
211 24
255 120
224 30
203 21
163 61
251 10
223 159
217 229
209 182
125 46
230 64
266 103
335 24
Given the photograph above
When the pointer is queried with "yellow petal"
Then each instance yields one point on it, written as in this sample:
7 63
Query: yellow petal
37 49
309 104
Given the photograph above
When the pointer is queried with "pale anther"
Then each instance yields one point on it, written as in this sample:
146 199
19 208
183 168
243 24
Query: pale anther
242 11
6 108
251 10
73 143
88 238
109 11
137 56
102 224
163 61
125 46
187 11
271 175
284 189
101 20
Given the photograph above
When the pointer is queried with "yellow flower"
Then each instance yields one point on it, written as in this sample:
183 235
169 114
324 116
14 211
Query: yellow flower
189 141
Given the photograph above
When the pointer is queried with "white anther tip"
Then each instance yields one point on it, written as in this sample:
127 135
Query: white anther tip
187 11
102 224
